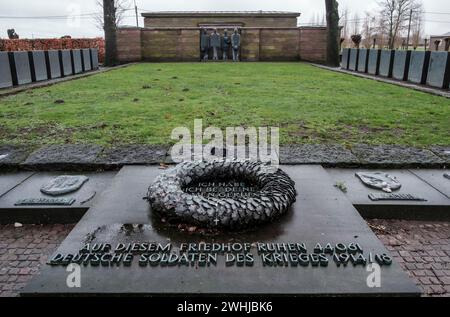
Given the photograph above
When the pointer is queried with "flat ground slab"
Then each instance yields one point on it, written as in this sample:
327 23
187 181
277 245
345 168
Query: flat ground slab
436 206
143 103
8 181
27 186
322 214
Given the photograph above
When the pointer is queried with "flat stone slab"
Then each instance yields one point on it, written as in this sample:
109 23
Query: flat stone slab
443 152
40 66
94 55
392 156
363 60
133 155
401 65
11 212
353 62
64 157
345 58
418 67
374 62
436 206
86 53
328 155
11 156
436 179
54 64
439 70
66 61
322 214
23 70
77 61
386 63
9 181
5 71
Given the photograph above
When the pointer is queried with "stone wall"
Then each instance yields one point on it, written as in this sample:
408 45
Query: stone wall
313 44
258 44
197 19
129 45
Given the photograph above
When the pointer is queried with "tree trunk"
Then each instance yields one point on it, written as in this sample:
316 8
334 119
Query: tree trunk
333 32
109 15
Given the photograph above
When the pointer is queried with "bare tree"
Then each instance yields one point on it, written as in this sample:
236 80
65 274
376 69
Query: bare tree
395 15
368 30
417 25
333 32
121 7
356 24
344 24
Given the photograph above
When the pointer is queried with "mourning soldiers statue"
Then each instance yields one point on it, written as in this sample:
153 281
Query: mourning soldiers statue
204 44
215 44
226 41
236 43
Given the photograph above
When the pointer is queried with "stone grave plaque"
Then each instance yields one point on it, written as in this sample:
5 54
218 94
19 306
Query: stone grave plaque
45 202
39 64
374 62
320 246
86 59
54 64
62 185
77 62
386 63
378 180
26 203
439 70
66 61
353 62
5 71
415 199
401 65
418 67
23 69
363 60
345 58
94 58
395 197
436 179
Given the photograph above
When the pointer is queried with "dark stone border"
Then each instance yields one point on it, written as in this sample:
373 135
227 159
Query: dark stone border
394 156
81 157
331 155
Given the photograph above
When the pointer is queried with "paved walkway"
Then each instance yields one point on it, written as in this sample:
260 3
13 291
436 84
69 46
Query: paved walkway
23 251
421 248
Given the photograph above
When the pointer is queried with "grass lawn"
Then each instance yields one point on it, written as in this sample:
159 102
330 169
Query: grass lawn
310 105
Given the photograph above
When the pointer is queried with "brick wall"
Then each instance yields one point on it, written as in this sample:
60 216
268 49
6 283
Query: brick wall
129 45
170 45
313 44
279 45
258 44
53 44
193 20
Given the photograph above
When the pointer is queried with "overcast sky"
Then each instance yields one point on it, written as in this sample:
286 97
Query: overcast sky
48 18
